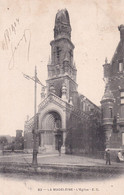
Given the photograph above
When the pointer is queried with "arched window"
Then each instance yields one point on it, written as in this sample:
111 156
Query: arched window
120 66
58 50
111 112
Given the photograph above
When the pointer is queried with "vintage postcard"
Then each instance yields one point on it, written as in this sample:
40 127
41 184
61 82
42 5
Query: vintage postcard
61 97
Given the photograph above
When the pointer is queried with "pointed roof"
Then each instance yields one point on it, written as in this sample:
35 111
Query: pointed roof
107 94
62 16
62 27
119 52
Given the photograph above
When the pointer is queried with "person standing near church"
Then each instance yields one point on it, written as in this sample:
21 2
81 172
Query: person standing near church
120 157
59 146
108 160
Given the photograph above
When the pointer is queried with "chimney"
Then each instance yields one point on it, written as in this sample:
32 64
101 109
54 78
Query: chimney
121 29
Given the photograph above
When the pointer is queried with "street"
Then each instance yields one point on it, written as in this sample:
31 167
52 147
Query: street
56 159
65 173
55 167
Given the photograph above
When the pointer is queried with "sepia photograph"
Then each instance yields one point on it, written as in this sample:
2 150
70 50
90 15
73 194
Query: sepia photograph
61 97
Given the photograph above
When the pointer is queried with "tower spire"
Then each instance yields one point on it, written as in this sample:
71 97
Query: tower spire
62 27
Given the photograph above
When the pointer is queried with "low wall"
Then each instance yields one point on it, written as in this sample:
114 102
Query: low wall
10 151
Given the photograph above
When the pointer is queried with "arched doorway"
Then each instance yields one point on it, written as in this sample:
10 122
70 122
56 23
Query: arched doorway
51 130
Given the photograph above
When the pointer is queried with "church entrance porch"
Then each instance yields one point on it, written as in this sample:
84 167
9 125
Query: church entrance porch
51 133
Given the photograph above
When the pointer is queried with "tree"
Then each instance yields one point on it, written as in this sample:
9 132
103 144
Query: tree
3 140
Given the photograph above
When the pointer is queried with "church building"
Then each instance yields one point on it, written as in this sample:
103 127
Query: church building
64 114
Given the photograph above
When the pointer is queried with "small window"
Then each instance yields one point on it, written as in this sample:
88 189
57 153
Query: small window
122 94
122 138
122 97
120 67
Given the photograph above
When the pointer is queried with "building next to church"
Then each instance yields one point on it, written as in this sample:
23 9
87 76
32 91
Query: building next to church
112 103
64 114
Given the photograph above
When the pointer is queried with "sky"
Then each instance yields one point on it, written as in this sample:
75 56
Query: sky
25 35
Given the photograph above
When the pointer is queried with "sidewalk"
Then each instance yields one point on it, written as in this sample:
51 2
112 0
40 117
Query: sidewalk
55 159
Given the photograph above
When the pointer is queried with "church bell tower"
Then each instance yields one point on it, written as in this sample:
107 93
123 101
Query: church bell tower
61 67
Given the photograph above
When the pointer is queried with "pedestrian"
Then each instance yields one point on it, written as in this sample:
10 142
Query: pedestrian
108 160
59 146
120 157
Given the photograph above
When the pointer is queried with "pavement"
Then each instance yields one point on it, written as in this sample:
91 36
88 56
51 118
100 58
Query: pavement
59 174
55 159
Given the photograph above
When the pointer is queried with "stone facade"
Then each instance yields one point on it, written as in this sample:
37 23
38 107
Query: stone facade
112 102
63 113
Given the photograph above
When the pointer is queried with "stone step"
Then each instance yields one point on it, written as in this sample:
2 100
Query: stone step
47 149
